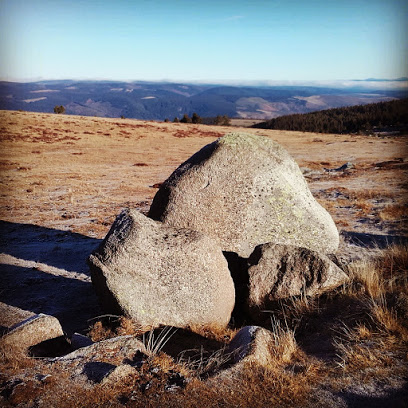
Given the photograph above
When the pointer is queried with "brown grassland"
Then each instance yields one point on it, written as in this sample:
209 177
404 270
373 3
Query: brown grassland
348 348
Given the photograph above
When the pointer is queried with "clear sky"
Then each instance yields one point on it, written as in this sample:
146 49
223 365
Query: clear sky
203 40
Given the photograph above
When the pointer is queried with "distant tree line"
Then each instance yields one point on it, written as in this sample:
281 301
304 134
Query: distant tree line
59 109
219 120
382 116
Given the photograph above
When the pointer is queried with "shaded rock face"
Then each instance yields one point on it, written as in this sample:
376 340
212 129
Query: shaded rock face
157 274
245 190
281 271
79 340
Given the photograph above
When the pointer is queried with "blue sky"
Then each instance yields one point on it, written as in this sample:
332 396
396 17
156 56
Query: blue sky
203 41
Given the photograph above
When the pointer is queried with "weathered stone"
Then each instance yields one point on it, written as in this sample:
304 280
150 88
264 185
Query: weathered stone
97 362
116 349
160 275
252 344
281 271
32 331
245 190
344 167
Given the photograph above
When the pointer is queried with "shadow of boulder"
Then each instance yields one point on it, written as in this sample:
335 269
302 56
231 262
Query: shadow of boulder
373 240
44 271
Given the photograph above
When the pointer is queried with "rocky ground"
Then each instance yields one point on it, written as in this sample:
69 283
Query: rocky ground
65 178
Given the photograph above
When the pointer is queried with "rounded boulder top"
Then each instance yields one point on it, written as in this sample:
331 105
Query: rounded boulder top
245 190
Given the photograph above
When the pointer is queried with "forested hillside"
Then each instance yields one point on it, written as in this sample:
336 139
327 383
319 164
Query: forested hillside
376 117
161 100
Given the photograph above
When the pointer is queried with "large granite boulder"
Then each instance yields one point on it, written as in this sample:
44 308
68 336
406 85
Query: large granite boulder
245 190
281 271
160 275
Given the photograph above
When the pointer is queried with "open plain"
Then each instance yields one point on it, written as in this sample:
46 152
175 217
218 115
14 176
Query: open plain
64 179
76 173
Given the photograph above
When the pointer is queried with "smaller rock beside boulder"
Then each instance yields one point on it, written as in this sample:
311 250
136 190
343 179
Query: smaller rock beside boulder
116 350
252 344
32 331
99 361
281 271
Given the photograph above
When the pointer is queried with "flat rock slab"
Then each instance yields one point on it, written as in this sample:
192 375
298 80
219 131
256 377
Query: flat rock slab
114 350
94 363
32 331
245 190
160 275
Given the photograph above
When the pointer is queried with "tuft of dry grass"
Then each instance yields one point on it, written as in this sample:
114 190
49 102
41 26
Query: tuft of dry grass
214 332
376 348
155 344
13 359
109 326
394 212
206 365
284 343
386 273
364 206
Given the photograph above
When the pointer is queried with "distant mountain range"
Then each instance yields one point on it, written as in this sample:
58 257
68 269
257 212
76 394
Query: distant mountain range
160 100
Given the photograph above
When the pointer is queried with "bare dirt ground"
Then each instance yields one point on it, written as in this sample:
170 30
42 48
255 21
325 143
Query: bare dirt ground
65 178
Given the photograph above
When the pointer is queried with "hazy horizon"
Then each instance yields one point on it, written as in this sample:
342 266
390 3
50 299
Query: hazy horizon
401 82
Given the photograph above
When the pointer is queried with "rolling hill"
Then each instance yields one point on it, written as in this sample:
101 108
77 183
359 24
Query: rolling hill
160 100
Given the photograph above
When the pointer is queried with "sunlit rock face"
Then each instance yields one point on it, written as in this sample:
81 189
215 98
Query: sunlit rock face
245 190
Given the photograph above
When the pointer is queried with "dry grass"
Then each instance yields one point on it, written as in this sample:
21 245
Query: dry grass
370 348
155 343
13 359
378 348
380 207
66 173
394 212
284 344
214 332
109 326
365 207
205 365
385 273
